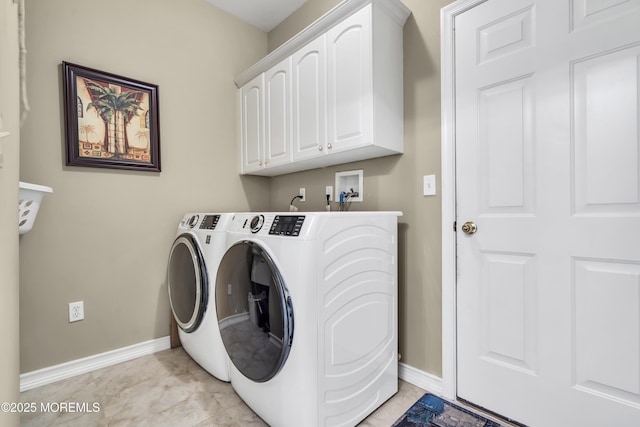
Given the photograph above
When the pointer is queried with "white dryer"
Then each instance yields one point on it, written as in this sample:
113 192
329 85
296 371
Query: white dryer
191 272
307 310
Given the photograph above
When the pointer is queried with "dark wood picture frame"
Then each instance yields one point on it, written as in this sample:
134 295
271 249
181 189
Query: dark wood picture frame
111 121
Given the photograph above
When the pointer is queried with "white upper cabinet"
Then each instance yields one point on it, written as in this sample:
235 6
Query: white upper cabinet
252 124
332 94
265 128
310 100
277 115
350 87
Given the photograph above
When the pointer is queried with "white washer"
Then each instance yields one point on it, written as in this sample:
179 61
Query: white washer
307 309
191 272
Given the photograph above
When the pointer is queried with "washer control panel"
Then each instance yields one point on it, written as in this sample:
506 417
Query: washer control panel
287 225
209 222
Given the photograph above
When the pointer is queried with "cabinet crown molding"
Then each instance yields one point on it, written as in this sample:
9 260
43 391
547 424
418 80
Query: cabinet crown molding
394 8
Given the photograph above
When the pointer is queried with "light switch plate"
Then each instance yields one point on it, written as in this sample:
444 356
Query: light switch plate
429 185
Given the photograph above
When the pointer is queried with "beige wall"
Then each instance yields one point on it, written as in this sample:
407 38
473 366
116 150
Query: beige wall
395 183
9 150
104 235
301 18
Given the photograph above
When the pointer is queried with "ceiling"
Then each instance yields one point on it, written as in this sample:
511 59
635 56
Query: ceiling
264 14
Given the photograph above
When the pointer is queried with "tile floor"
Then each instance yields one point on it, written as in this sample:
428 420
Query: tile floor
163 389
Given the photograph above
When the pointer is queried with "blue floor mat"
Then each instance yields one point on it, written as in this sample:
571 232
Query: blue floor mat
432 411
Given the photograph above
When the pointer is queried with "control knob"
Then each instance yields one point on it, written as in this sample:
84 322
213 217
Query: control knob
256 223
193 221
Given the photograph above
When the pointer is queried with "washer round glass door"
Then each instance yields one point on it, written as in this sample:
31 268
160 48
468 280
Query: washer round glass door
254 309
187 282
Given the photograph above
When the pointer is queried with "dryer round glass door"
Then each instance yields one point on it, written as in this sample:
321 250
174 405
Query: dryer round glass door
187 282
254 309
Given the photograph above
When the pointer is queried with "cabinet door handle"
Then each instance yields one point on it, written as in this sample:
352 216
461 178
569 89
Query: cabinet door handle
260 163
319 147
329 146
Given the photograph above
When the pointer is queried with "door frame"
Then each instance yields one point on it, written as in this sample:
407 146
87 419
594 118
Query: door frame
448 15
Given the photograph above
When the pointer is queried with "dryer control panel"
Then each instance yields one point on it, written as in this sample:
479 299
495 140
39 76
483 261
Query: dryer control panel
287 225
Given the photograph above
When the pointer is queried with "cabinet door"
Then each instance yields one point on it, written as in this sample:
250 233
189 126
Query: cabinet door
252 124
277 144
350 82
310 100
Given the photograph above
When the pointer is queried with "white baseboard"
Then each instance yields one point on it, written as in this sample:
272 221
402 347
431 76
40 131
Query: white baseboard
70 369
30 380
425 380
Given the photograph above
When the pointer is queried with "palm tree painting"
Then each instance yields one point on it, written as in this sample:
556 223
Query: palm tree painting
104 132
115 107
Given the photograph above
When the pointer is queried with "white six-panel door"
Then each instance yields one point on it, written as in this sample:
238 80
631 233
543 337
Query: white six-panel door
548 169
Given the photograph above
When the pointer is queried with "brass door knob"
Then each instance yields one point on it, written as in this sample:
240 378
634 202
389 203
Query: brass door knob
469 227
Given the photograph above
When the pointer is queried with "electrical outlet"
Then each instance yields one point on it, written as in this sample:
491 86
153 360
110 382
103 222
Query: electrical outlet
76 311
328 191
303 194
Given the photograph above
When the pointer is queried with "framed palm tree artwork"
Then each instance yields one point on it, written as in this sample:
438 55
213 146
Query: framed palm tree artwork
111 121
